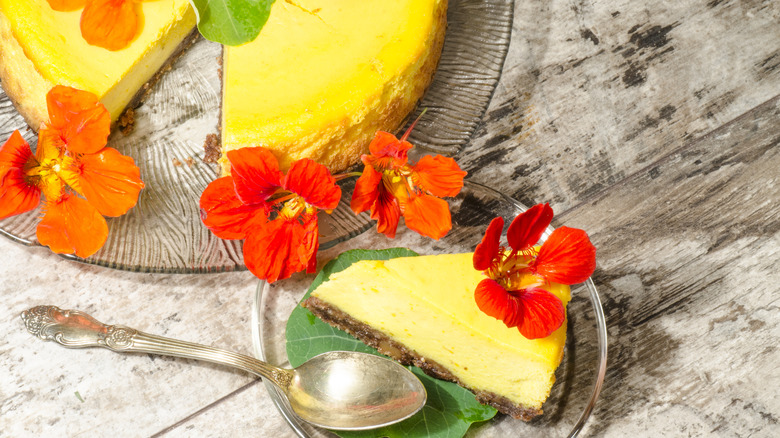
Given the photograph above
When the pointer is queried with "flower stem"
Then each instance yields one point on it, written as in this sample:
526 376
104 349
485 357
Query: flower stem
342 176
409 131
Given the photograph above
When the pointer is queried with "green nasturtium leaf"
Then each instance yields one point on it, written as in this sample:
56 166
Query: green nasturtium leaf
450 409
232 22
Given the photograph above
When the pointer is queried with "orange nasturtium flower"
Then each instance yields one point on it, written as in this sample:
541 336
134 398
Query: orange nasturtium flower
81 179
510 293
390 187
275 213
110 24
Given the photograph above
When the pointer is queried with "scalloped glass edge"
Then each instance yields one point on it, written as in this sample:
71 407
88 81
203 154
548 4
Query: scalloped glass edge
280 401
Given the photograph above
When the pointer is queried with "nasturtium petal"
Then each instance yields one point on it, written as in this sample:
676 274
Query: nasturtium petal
310 242
82 121
314 183
542 313
15 152
495 301
428 215
224 213
255 173
67 5
438 175
527 228
110 24
387 152
387 213
232 22
487 249
71 225
271 249
16 194
366 190
64 103
109 180
450 409
566 257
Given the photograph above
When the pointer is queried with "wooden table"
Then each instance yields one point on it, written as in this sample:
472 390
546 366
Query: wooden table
654 127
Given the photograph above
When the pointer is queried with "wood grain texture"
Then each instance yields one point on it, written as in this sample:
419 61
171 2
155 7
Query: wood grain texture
47 390
688 251
593 91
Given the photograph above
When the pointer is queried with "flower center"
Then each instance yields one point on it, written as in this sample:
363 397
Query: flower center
399 182
511 271
47 171
293 208
289 205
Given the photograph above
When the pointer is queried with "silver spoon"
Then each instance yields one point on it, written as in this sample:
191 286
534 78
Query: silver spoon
340 390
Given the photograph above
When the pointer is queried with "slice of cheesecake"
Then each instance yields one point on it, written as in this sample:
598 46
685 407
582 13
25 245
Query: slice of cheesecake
421 311
324 76
40 48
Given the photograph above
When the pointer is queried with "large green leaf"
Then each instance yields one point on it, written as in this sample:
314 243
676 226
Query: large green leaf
232 22
450 409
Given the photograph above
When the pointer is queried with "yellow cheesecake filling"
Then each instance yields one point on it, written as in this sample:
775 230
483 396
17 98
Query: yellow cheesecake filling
427 304
41 48
324 76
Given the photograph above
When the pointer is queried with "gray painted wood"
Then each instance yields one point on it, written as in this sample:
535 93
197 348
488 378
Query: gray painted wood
593 91
688 269
653 126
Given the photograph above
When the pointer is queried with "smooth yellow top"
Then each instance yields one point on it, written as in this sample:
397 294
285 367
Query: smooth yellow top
427 303
319 67
52 41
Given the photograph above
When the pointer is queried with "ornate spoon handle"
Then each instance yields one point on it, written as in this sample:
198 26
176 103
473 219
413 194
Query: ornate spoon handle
75 329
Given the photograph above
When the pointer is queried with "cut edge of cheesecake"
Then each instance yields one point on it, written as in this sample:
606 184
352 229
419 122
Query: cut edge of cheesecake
18 75
126 122
389 118
387 346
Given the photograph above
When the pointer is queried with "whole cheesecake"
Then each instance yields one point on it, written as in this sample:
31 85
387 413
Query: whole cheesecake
421 311
324 76
40 48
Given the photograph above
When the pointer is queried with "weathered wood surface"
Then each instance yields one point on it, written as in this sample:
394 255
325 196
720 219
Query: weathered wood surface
688 269
653 126
594 91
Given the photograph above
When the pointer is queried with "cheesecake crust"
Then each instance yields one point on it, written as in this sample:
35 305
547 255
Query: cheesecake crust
211 149
387 346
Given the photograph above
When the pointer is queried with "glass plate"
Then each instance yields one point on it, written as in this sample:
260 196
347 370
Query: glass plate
163 232
578 378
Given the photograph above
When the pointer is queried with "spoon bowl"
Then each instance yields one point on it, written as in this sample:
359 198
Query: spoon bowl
340 390
354 390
